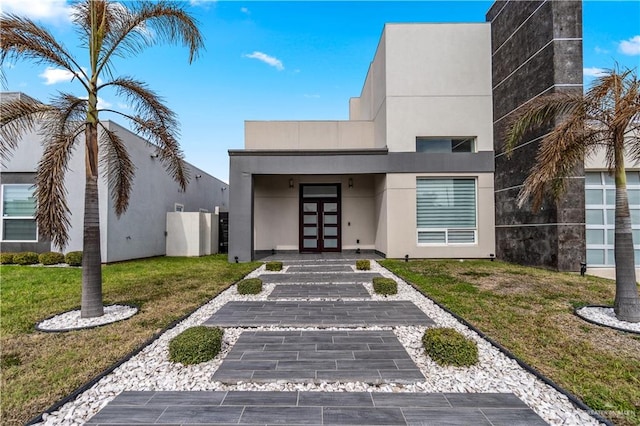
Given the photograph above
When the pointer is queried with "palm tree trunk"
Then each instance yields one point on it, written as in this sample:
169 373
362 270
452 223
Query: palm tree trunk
91 305
627 302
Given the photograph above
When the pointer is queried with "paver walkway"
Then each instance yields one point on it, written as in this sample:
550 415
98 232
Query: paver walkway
314 277
318 314
370 356
315 408
318 356
319 291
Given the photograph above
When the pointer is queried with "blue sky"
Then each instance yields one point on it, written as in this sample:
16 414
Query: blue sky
291 60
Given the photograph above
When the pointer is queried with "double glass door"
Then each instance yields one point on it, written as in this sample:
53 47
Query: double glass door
320 218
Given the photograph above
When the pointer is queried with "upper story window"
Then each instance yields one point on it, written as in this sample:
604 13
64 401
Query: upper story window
18 213
445 145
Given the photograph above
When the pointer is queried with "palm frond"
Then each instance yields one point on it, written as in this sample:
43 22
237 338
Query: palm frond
560 154
144 101
167 148
118 168
146 24
539 112
60 132
156 123
17 117
23 39
52 213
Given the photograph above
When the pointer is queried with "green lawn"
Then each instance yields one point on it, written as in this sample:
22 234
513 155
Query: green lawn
40 368
530 312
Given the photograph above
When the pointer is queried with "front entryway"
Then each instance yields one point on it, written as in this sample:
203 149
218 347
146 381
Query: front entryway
320 218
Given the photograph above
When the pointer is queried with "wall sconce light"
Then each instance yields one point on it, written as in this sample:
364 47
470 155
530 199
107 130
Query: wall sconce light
350 182
492 256
198 176
153 155
291 183
224 188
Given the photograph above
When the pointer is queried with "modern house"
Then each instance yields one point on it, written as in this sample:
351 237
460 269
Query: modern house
410 173
140 232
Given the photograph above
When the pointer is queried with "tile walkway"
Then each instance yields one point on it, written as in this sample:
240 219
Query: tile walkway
315 408
337 313
371 356
318 356
319 291
315 278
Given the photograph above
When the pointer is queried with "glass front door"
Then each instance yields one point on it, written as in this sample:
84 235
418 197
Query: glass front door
320 218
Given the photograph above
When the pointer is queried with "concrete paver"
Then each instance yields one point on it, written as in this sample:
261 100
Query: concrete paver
318 314
316 356
312 408
319 291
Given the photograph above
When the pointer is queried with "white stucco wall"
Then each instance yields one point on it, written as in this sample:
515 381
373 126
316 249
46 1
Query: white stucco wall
438 83
308 135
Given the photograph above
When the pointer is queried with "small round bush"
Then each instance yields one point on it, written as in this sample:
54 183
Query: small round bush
51 258
196 345
448 347
26 258
385 286
250 286
363 264
74 258
273 266
6 259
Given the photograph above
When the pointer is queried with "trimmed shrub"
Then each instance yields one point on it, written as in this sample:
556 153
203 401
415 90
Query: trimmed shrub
250 286
273 266
196 345
74 258
385 286
363 264
26 258
6 259
51 258
448 347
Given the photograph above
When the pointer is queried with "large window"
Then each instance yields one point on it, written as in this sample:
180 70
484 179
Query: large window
446 211
600 203
445 145
18 213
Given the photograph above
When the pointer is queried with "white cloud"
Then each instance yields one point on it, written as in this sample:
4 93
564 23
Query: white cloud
49 10
593 72
103 104
631 46
56 75
245 10
123 106
269 60
600 50
59 75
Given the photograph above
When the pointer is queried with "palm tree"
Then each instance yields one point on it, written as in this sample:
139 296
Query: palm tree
606 117
107 30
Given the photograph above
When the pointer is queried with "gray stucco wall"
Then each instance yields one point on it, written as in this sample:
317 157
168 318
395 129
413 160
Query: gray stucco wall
140 232
537 49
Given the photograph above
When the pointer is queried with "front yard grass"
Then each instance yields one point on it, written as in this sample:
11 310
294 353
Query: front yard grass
40 368
529 311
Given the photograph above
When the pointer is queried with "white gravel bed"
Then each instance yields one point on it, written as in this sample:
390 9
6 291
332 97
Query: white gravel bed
606 317
150 370
72 321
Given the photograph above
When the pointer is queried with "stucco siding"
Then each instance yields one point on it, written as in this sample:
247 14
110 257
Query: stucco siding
401 211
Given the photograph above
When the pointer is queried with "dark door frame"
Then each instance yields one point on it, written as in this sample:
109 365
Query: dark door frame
320 225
